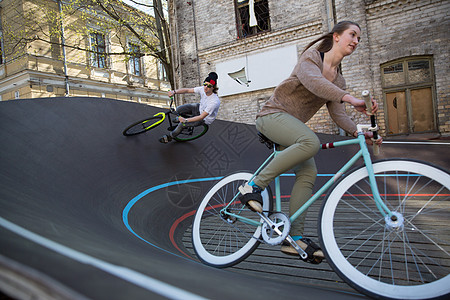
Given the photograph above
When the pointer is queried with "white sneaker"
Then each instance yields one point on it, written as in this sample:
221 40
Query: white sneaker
250 197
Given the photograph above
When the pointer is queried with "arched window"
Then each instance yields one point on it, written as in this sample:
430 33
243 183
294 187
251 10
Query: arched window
408 90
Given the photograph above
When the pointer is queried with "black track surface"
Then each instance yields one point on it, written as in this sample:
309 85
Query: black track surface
71 182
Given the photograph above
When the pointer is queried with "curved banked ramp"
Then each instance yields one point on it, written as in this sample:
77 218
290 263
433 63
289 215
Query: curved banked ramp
87 213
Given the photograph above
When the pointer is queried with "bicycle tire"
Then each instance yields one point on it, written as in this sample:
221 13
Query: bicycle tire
191 133
143 125
373 256
219 241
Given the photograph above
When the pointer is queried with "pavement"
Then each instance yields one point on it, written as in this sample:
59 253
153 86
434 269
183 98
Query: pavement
86 213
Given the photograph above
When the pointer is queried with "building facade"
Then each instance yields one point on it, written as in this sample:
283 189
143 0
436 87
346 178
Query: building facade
403 56
74 56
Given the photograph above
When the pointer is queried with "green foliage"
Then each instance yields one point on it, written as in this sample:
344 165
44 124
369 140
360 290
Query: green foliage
34 23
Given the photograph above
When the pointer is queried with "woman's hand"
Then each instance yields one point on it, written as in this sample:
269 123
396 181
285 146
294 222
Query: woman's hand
369 136
359 104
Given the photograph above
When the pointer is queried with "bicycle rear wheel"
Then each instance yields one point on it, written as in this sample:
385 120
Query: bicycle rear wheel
191 133
143 125
404 259
221 240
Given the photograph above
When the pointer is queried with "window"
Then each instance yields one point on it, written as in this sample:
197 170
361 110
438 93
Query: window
1 48
408 89
2 54
252 17
162 74
135 59
98 47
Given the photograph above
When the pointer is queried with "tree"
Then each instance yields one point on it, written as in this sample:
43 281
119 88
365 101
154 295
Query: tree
68 25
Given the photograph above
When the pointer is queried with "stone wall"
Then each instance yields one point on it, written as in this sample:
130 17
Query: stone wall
205 34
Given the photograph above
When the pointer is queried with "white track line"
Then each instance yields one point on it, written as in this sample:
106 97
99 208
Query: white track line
131 276
418 143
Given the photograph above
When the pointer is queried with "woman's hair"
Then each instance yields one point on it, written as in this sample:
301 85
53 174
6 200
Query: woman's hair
327 39
212 79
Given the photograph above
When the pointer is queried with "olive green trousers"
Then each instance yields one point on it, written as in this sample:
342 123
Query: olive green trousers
299 144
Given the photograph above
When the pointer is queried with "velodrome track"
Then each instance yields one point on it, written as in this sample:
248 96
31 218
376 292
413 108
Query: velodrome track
86 213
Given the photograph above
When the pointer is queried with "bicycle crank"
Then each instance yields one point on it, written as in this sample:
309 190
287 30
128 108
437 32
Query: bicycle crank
275 228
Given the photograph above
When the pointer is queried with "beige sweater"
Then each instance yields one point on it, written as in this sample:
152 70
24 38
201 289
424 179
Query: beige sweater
307 90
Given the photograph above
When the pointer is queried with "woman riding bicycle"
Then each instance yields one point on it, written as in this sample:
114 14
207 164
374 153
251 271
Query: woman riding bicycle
316 80
203 112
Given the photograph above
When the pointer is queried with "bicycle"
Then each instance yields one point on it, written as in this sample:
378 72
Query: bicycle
188 133
382 226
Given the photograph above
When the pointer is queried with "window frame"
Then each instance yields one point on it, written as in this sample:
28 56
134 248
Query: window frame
407 87
134 60
162 74
96 56
242 24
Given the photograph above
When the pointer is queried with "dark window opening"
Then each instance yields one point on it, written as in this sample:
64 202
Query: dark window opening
261 12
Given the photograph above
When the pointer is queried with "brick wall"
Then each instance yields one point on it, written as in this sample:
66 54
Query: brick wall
391 29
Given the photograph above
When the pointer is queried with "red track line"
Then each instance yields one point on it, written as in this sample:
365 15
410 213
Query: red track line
191 213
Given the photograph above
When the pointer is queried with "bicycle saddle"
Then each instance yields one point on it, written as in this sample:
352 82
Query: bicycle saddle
266 141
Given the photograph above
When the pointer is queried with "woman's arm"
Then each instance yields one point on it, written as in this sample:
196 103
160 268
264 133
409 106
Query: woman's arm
359 104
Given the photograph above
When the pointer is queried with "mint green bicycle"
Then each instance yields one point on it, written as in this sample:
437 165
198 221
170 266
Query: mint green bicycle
383 227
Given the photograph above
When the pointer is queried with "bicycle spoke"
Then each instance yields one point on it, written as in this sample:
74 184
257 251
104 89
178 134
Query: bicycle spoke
410 248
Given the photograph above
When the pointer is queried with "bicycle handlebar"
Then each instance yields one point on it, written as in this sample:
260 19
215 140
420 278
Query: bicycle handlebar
368 100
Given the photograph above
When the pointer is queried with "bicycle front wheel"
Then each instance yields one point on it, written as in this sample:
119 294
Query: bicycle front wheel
407 258
219 239
143 125
191 133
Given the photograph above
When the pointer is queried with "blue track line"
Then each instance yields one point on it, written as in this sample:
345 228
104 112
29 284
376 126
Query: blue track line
133 201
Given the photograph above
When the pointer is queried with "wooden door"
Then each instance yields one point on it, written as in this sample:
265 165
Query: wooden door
422 110
397 113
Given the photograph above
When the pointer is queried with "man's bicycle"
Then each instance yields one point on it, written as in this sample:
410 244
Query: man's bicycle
383 227
188 133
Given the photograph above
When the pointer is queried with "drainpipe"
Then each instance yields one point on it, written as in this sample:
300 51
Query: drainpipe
63 42
196 42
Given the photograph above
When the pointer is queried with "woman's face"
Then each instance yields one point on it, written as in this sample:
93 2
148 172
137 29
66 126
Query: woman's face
348 40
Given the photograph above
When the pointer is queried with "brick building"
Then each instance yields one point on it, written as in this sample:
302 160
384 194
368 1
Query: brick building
403 57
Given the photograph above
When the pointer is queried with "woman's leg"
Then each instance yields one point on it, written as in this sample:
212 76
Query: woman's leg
306 174
301 144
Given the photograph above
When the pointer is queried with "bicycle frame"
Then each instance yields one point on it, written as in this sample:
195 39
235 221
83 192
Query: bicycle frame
363 152
163 115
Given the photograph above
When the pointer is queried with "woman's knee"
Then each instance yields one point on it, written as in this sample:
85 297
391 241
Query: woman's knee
309 142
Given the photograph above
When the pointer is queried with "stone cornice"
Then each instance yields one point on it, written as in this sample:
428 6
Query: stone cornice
388 7
264 40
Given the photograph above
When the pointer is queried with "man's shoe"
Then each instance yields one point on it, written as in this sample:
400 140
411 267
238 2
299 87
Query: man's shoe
251 197
165 139
314 252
